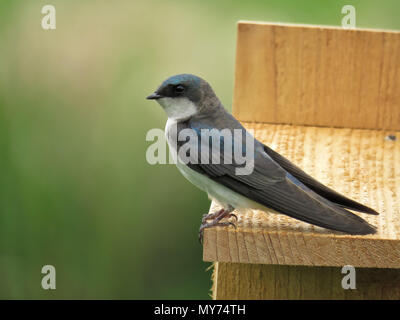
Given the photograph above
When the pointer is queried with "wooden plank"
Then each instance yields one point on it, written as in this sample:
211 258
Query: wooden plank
257 281
362 164
318 76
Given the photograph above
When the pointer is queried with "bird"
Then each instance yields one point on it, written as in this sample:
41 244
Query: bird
273 185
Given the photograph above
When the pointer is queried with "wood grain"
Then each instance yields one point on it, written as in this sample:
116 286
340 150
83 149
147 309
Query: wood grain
250 281
318 76
362 164
310 93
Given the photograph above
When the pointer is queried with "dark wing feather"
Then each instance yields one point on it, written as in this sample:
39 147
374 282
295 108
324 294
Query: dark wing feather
316 186
270 185
287 198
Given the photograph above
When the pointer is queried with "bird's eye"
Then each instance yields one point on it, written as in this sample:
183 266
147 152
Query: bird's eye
179 89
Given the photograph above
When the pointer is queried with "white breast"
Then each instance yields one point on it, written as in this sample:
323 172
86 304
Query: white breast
217 192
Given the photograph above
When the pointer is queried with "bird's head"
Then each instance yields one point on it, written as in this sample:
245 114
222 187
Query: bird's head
184 95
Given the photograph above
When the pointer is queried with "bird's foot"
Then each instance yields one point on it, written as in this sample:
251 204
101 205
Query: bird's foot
216 218
214 215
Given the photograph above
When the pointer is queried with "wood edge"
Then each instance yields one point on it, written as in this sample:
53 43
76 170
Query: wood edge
235 83
241 23
250 121
210 254
214 279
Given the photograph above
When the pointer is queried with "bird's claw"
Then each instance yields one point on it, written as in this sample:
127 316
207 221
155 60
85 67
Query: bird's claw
204 218
217 217
201 233
233 215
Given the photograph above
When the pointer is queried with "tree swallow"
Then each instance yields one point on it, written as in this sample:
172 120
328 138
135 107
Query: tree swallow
273 185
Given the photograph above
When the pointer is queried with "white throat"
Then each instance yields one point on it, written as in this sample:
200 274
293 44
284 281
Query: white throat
178 109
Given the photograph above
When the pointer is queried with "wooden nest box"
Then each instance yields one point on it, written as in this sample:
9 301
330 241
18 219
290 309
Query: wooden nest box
328 99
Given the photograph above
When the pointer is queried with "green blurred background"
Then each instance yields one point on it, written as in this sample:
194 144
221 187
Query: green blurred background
76 191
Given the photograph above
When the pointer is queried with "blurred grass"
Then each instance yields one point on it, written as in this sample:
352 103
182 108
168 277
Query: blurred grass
75 188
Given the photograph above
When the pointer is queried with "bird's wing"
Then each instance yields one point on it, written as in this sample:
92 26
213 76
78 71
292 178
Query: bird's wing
272 186
315 185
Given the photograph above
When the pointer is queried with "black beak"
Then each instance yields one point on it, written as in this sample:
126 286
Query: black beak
154 96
